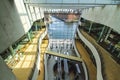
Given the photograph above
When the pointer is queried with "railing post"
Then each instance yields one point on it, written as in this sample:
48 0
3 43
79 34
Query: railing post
101 34
29 37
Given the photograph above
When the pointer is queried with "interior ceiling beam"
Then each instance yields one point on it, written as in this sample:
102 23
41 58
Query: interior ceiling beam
68 7
110 3
64 6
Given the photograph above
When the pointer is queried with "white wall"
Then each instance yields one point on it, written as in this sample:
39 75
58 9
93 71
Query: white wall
23 15
108 15
11 28
36 12
15 21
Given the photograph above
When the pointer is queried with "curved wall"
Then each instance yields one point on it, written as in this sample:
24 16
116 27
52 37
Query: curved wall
108 15
95 54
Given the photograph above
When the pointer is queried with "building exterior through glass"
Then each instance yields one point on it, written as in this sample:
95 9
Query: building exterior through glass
61 34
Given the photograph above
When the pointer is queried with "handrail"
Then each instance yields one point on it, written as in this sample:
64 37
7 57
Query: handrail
37 63
85 70
77 53
95 54
83 64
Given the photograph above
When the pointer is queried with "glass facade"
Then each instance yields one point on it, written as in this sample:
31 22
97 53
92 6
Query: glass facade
61 30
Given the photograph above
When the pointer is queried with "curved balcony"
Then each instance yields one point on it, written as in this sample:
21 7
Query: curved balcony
83 64
29 64
37 63
95 54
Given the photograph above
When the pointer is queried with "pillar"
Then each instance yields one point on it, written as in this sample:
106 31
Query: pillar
108 33
90 27
101 34
118 55
11 50
36 28
29 37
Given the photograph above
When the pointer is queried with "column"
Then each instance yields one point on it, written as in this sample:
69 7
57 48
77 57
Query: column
29 37
40 23
118 55
91 23
11 50
101 34
36 26
109 31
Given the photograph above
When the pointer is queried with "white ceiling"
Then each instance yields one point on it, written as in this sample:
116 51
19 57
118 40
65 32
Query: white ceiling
70 4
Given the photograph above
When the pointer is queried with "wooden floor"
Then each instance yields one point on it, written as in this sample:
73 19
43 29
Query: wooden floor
87 60
23 68
43 49
111 68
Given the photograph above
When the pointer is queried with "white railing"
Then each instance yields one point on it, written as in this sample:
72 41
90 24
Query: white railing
77 53
85 70
83 64
37 63
95 54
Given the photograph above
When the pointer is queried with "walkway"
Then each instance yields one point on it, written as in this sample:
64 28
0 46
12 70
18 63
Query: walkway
86 58
64 56
23 68
111 68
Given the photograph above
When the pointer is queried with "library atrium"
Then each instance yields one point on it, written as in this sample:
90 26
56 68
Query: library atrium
59 40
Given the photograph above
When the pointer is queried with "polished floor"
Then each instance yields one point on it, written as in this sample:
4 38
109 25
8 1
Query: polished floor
23 67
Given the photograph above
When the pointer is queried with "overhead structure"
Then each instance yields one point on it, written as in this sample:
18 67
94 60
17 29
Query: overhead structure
63 56
70 4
